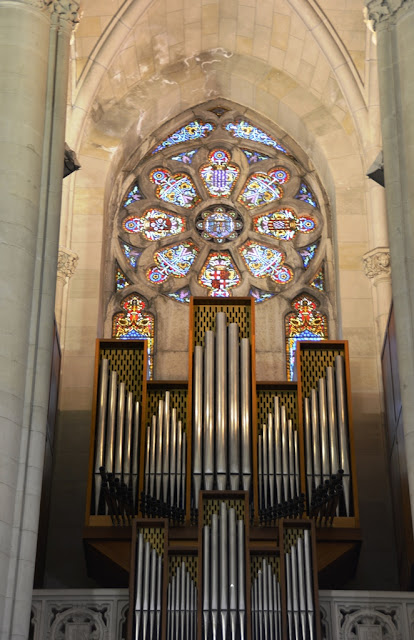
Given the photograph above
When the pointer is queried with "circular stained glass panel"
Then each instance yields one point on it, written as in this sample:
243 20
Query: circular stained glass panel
219 224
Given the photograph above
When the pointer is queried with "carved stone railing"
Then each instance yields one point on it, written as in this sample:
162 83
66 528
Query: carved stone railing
100 614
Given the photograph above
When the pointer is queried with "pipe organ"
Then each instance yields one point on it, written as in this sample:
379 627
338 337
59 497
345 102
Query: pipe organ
224 478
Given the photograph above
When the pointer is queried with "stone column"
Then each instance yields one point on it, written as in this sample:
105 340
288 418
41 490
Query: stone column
377 267
393 21
66 266
34 44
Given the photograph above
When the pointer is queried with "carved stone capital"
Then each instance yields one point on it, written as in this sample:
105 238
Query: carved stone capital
66 11
377 263
378 13
67 262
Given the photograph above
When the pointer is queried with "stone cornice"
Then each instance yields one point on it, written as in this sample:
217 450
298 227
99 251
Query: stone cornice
377 263
380 12
67 262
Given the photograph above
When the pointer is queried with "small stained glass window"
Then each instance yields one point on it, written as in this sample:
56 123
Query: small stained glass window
135 324
186 157
263 188
254 156
178 189
308 253
219 274
121 281
283 224
259 295
263 261
155 224
219 175
181 295
131 253
134 195
304 323
192 131
318 282
219 224
306 195
175 260
247 131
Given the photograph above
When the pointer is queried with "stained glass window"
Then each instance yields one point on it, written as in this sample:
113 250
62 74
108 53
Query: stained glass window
219 224
154 224
318 281
191 131
306 195
121 281
262 188
219 175
247 131
263 261
131 253
134 324
304 323
254 156
133 196
186 156
175 189
181 295
259 295
283 224
308 253
219 274
175 260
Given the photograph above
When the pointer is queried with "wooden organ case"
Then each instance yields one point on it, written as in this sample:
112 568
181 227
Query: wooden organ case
222 501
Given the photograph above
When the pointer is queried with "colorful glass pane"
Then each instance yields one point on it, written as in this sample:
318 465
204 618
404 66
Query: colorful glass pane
219 175
219 224
308 253
262 188
155 224
175 189
121 281
191 131
218 111
304 324
186 156
133 196
135 324
259 295
245 130
181 295
254 156
219 274
263 261
132 254
318 281
175 260
306 195
283 224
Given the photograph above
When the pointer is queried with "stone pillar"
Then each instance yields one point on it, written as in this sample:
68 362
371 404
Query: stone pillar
393 21
66 266
34 46
377 267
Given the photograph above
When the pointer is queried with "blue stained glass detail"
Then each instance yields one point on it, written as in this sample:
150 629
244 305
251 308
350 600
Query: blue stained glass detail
262 188
186 156
131 253
306 195
304 335
181 295
175 260
254 156
263 261
318 281
134 195
308 253
176 189
191 131
245 130
259 295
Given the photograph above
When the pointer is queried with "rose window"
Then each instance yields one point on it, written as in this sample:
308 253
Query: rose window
219 207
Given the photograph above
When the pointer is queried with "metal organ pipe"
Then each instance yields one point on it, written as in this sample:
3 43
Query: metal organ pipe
342 427
198 422
221 400
209 410
245 412
120 417
110 435
100 428
234 405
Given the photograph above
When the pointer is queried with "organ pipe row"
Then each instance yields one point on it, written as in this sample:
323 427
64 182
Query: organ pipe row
117 434
299 589
148 599
182 606
224 601
266 604
165 460
221 410
327 434
278 459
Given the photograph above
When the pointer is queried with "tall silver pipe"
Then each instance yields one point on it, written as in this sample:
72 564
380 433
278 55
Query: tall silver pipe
173 455
206 580
214 573
278 448
183 468
153 455
221 400
198 422
234 400
317 469
183 607
289 602
159 597
135 451
147 461
245 412
297 468
172 607
224 554
242 577
153 592
169 610
265 467
265 601
100 428
332 422
285 451
291 443
166 447
146 589
343 428
139 585
159 449
308 581
232 555
110 432
260 602
323 427
295 591
126 460
208 410
302 586
187 605
260 469
180 435
120 420
309 452
177 603
271 449
271 601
